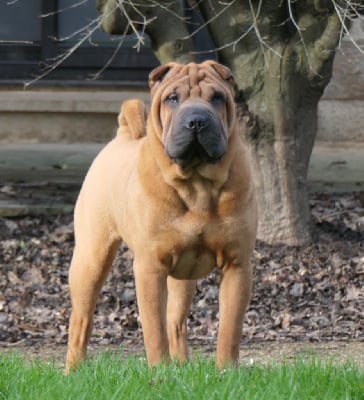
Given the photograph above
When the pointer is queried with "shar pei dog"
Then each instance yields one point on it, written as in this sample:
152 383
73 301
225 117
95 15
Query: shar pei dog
176 187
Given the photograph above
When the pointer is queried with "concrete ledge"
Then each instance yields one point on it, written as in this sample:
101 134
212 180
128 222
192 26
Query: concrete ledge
66 101
34 127
46 162
56 116
337 167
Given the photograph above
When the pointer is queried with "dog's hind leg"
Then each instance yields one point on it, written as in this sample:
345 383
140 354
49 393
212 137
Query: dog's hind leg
91 262
180 295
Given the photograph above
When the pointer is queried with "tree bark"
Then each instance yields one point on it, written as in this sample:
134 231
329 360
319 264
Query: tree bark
280 141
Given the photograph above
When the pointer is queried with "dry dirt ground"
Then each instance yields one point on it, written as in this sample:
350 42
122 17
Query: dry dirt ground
306 301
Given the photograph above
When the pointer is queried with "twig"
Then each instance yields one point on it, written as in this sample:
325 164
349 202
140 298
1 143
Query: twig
257 32
163 7
111 58
62 58
342 16
204 25
81 30
235 42
17 41
87 32
60 10
300 35
131 24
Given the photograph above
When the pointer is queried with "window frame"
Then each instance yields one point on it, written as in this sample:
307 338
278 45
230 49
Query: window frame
21 63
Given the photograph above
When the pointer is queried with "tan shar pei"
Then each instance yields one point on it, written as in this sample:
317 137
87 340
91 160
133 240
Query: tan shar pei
177 188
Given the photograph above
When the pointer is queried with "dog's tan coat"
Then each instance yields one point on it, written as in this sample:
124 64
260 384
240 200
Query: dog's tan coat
180 222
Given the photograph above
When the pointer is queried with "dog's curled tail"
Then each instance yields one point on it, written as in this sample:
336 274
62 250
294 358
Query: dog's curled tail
132 119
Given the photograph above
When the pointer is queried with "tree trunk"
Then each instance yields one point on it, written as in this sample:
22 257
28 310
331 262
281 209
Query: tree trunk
281 81
280 162
280 133
280 173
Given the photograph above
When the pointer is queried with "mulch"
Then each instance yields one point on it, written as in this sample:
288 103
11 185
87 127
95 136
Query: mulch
311 294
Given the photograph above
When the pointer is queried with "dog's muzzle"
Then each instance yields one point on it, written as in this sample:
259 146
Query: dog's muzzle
197 135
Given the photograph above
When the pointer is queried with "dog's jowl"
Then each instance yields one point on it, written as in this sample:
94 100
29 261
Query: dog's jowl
177 188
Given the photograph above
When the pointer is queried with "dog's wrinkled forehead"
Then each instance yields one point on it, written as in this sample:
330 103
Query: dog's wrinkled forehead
191 75
190 78
195 76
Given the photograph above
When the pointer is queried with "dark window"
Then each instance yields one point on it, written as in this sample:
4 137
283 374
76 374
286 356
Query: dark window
34 35
20 20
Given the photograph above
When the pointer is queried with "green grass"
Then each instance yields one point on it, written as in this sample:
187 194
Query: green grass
106 377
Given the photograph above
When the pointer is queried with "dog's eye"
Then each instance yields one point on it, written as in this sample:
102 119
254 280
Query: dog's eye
218 98
172 99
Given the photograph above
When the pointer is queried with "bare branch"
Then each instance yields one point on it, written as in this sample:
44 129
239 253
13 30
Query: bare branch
325 46
298 28
167 9
131 24
110 60
232 44
343 15
86 33
64 9
94 23
257 32
62 58
16 41
217 15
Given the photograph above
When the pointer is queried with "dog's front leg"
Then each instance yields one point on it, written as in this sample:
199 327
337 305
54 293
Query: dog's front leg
180 295
151 288
234 297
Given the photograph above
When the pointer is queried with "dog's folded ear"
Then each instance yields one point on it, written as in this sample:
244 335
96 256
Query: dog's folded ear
132 118
224 72
159 73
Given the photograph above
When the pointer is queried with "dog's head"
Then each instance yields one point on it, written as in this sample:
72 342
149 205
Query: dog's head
193 111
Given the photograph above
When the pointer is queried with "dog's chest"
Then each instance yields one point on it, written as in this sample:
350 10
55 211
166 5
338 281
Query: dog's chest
195 247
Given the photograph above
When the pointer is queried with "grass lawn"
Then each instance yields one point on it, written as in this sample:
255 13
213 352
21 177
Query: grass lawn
106 377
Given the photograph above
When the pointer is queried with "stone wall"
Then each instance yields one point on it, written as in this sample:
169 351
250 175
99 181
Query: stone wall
341 110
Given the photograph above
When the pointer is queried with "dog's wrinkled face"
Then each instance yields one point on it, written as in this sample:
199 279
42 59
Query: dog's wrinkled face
193 106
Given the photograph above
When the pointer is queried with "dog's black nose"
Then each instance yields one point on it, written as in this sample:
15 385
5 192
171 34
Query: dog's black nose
195 122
